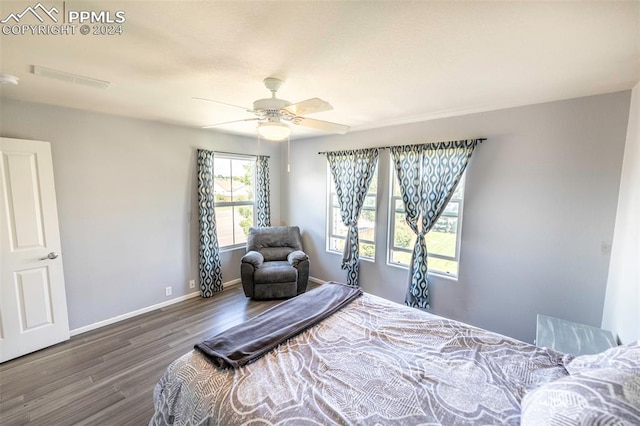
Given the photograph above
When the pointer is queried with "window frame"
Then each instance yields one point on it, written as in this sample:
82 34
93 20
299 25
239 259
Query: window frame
330 206
392 222
232 204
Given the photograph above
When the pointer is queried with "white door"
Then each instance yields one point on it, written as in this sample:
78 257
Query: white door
33 304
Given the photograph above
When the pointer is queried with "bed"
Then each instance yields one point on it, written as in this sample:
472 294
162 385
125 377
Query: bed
372 362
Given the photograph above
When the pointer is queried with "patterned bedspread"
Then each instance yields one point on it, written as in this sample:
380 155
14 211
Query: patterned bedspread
374 362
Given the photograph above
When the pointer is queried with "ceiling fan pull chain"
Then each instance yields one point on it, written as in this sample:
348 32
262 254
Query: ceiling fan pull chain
259 151
288 154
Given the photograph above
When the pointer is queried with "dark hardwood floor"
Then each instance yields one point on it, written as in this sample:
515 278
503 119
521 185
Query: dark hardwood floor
107 376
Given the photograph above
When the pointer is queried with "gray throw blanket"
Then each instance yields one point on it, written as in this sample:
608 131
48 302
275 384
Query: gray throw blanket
247 342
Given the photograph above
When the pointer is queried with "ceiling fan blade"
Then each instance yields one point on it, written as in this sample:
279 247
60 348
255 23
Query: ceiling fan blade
310 106
221 103
229 122
326 126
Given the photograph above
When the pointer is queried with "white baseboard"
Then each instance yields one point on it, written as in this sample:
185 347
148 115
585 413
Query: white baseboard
135 313
316 280
232 283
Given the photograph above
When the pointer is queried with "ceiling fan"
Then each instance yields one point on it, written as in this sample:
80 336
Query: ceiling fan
273 114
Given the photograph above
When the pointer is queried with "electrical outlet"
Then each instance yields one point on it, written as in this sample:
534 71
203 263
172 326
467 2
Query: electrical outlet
167 291
192 284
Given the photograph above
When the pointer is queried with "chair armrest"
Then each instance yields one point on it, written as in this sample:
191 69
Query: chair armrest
296 257
254 258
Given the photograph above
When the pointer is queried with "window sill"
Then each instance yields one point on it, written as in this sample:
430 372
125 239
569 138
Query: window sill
444 276
339 253
233 248
431 273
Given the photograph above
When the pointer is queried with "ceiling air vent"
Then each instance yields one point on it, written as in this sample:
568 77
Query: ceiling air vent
69 78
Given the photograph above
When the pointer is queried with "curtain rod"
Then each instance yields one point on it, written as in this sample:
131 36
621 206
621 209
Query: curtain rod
241 155
393 146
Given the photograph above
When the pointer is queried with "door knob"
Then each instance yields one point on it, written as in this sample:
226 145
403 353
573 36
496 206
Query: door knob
51 256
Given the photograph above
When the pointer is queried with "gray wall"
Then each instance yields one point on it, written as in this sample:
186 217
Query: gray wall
622 302
539 212
127 202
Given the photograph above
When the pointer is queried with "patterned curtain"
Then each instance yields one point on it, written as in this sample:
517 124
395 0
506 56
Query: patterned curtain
210 266
428 175
263 205
352 172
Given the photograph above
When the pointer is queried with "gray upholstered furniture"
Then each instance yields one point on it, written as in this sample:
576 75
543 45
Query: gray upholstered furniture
275 265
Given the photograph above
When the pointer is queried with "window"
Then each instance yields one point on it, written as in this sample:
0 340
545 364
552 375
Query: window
337 232
233 190
443 241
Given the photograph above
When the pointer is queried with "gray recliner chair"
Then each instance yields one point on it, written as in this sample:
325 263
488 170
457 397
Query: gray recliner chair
275 266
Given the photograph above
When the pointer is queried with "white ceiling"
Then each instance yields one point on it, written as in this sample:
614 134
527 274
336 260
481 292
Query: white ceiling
378 63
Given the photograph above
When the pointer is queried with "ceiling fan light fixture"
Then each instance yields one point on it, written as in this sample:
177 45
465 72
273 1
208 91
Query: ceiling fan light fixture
8 79
271 111
274 130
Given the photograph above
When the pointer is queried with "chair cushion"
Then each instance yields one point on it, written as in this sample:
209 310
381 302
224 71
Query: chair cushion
276 242
275 290
275 253
296 257
275 272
